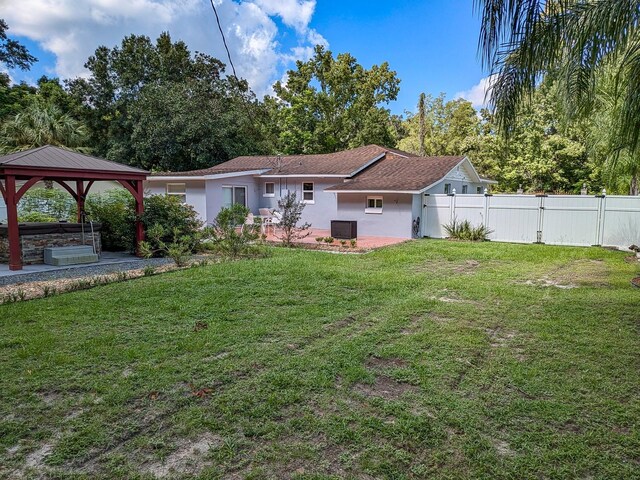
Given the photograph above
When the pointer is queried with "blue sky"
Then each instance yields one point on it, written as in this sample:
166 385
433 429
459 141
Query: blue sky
432 45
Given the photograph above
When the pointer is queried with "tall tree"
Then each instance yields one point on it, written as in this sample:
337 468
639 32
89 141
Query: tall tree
523 40
12 53
329 104
41 124
440 127
157 106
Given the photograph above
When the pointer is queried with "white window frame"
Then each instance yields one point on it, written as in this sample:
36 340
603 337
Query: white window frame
182 195
312 191
376 209
447 188
465 189
233 193
267 194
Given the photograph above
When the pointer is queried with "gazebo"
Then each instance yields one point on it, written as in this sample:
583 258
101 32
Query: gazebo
21 170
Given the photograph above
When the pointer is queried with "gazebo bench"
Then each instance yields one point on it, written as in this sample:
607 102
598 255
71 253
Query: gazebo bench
74 255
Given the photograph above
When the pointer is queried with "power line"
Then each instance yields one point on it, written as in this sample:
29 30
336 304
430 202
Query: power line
243 101
224 40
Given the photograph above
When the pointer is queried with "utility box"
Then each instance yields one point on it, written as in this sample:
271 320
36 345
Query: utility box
344 229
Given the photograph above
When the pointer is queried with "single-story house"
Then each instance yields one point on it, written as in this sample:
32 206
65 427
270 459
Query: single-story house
380 188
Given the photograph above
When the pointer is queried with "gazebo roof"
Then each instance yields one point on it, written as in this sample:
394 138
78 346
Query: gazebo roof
59 159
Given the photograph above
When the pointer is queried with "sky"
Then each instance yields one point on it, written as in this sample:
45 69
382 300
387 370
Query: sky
431 44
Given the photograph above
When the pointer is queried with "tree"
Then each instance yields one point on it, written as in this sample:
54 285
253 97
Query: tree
523 41
440 127
291 212
42 124
231 234
157 106
329 104
12 53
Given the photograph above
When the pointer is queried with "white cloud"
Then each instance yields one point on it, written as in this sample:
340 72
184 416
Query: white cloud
477 94
72 30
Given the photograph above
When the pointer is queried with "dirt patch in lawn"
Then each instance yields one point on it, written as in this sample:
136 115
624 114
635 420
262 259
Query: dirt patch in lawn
378 363
578 273
384 387
502 448
188 458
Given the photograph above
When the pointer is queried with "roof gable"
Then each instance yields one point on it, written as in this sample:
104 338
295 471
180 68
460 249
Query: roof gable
406 174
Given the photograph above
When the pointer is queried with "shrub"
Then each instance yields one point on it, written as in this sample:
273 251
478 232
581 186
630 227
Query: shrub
343 243
229 233
319 239
465 231
179 248
36 217
114 209
291 211
353 242
51 203
328 239
178 221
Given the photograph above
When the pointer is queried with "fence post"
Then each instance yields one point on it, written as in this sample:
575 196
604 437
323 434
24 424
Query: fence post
602 208
539 232
486 207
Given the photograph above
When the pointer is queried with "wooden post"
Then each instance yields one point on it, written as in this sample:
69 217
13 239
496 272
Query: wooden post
15 253
80 199
139 211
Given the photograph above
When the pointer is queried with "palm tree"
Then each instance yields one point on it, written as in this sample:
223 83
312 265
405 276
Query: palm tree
42 124
522 41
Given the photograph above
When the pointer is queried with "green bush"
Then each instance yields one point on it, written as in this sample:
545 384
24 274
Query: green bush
177 219
230 234
114 209
465 231
50 203
36 217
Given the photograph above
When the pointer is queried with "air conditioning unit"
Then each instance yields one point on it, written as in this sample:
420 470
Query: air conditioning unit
344 229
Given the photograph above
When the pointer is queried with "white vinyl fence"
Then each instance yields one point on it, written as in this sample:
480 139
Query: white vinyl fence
555 219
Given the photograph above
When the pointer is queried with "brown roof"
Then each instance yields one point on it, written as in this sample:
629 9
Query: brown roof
49 157
339 163
400 174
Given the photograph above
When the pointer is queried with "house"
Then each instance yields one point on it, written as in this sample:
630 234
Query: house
380 188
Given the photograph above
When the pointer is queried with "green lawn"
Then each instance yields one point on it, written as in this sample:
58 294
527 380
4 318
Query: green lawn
430 359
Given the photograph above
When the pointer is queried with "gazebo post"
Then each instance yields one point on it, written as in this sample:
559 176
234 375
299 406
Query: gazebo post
139 211
15 255
80 199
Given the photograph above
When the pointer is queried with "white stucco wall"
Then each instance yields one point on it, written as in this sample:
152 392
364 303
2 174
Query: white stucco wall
195 193
319 213
394 221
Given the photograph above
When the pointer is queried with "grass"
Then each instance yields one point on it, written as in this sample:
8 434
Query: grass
430 359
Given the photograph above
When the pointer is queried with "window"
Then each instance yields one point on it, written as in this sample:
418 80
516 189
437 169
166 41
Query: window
307 192
233 195
478 189
178 190
447 188
374 205
269 189
464 188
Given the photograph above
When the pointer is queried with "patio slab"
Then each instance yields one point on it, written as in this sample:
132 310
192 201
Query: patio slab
363 241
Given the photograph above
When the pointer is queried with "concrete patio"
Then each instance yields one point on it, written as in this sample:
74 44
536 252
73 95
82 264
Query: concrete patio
107 258
363 241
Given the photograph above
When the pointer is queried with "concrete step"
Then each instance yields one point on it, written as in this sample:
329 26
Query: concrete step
61 260
69 255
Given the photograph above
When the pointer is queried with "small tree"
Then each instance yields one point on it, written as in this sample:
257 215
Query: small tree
291 211
229 232
179 249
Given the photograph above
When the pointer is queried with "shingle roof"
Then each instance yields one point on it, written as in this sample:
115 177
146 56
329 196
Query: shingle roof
339 163
49 157
400 174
